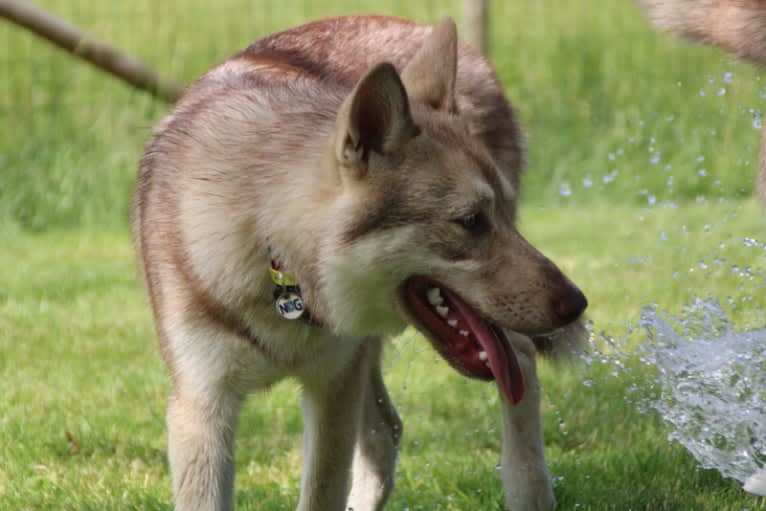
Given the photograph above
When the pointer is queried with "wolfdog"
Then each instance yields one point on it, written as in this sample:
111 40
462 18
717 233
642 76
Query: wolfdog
738 26
314 194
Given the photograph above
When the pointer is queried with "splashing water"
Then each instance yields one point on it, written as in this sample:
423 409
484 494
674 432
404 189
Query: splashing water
713 389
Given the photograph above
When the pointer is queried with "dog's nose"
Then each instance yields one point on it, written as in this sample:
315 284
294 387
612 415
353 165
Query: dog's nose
569 304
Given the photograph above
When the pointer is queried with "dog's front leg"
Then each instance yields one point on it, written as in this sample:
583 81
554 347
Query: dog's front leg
526 481
378 441
331 416
201 450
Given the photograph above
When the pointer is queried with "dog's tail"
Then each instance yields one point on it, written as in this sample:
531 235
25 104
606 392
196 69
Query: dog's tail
738 26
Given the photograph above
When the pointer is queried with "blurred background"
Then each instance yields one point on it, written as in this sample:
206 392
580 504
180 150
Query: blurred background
612 110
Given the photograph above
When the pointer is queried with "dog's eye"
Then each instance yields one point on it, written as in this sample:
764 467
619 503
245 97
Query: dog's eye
473 222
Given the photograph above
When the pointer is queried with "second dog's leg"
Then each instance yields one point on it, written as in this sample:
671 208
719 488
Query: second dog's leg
331 415
376 448
526 481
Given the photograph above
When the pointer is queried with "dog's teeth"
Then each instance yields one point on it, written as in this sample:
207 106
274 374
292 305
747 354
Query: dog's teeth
452 323
483 356
442 311
434 296
464 333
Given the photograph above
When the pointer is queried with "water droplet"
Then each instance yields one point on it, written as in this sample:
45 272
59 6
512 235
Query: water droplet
757 120
721 91
651 200
587 182
663 236
701 172
565 190
655 159
702 92
727 77
608 178
750 242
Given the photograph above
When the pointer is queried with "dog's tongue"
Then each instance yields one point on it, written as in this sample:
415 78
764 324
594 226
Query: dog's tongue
500 355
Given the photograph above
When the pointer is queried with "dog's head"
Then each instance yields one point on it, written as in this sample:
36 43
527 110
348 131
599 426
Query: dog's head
426 229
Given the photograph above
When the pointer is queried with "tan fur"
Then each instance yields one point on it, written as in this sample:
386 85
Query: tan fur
356 146
738 26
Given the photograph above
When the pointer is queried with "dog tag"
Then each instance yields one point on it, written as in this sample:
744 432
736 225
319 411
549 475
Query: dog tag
290 306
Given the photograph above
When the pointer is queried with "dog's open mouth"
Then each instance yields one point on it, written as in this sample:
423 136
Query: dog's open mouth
472 345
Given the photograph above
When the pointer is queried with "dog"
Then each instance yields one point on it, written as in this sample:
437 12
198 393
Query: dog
738 26
314 194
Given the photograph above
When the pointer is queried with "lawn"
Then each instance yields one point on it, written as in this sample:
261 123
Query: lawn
641 163
79 360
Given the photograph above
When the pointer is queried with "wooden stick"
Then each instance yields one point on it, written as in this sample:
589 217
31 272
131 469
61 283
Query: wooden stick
475 18
100 54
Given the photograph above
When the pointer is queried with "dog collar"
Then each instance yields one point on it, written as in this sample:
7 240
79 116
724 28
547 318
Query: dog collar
287 293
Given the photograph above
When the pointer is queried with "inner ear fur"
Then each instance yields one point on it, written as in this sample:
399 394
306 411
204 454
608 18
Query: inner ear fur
430 76
374 118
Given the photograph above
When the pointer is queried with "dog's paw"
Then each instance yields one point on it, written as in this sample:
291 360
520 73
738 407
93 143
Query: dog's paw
543 501
530 491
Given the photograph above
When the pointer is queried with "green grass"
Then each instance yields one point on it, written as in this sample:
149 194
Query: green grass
599 94
623 118
77 355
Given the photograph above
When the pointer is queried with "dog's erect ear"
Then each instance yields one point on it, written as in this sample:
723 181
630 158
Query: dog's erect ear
375 117
430 75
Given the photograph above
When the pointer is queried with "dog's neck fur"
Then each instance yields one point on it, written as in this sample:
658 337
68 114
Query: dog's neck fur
375 117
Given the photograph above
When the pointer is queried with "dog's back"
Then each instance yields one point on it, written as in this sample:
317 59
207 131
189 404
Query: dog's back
320 50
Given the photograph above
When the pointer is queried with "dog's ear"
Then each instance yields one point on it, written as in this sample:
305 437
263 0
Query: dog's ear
430 75
374 118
